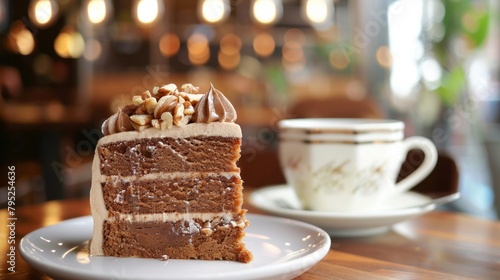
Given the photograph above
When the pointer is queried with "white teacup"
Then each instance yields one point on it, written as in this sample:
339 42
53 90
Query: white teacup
348 165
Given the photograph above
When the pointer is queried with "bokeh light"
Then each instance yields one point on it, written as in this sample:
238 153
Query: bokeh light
230 44
266 12
316 10
169 44
384 57
228 61
293 52
213 11
69 43
294 35
338 59
198 49
93 50
148 12
98 10
264 44
43 12
20 39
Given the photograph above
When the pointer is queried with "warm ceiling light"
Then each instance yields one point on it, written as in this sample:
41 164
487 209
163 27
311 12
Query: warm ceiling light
266 12
43 12
147 12
213 11
98 10
319 13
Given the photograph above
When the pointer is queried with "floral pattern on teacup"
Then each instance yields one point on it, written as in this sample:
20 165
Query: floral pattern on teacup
330 178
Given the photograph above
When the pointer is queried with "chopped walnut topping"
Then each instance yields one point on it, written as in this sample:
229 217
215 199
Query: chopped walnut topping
155 123
166 104
178 113
145 95
189 88
164 123
137 100
207 231
162 108
167 119
150 104
141 119
188 109
166 89
191 97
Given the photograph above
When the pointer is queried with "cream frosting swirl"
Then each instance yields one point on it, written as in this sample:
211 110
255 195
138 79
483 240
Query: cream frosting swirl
118 122
214 107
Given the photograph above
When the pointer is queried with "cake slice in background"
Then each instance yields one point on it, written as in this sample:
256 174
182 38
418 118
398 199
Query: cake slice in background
165 183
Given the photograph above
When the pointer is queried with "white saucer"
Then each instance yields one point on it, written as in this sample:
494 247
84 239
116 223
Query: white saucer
271 199
282 248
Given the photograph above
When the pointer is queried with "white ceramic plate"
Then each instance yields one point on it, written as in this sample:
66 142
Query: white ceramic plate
282 249
281 200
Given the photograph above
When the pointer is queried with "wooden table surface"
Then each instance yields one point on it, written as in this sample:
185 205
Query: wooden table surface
438 245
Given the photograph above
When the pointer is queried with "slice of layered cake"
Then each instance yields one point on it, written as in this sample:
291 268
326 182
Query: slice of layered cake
165 183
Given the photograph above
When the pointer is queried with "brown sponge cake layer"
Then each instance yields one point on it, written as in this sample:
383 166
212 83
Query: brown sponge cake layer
194 154
185 194
197 239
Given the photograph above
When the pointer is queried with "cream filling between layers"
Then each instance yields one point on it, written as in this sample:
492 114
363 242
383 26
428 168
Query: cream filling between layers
227 218
166 176
189 225
190 130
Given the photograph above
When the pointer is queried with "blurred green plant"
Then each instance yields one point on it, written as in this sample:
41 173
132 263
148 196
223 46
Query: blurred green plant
466 22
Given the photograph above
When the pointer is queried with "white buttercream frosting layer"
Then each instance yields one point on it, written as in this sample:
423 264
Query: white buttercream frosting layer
168 176
192 130
226 217
97 207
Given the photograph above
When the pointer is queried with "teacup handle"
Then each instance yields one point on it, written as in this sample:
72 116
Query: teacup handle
431 155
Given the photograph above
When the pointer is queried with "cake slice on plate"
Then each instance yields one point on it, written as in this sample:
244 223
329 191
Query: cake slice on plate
165 183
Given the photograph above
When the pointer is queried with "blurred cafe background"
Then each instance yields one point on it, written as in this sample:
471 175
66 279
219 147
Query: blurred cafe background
66 65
